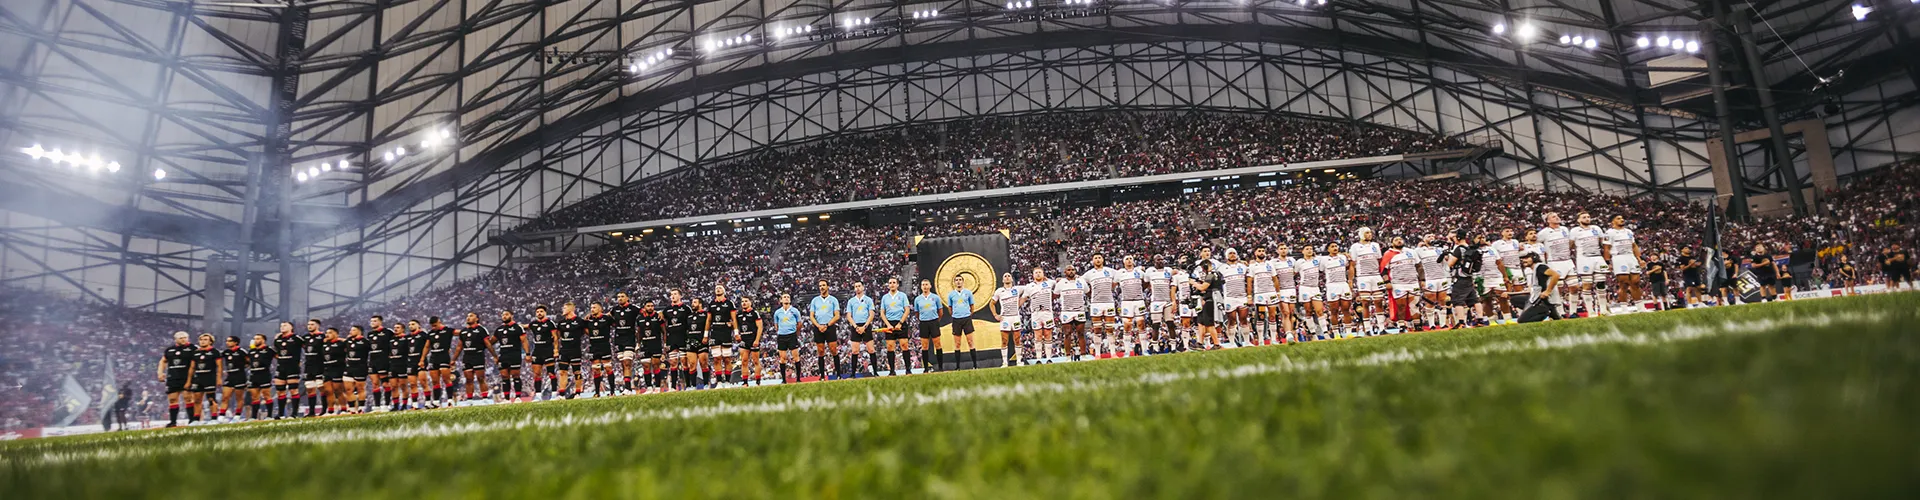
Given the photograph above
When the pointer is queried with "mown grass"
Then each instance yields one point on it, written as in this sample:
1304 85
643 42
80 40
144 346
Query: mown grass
1784 412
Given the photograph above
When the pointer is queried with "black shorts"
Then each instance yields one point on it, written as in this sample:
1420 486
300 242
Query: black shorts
929 328
1462 293
509 360
1690 281
899 331
440 361
693 343
544 357
570 366
862 336
652 348
260 380
570 357
963 326
315 375
336 375
357 372
824 335
176 384
1899 275
787 342
236 380
749 342
624 342
378 365
202 384
288 373
717 338
473 361
601 352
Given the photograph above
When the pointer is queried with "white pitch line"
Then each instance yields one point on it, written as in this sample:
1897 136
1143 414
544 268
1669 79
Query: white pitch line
124 448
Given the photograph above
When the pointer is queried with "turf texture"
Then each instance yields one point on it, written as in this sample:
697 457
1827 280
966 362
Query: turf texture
1804 399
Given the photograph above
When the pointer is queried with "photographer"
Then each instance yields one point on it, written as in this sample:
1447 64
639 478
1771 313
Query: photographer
1463 262
1542 285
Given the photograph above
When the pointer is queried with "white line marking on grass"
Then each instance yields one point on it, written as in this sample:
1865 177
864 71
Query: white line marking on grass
130 446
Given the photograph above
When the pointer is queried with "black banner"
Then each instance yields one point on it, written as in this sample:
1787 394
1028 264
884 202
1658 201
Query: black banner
978 260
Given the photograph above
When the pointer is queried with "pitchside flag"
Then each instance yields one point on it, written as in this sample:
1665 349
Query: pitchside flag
1716 271
979 259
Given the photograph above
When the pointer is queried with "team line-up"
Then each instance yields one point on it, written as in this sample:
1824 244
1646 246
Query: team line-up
1200 302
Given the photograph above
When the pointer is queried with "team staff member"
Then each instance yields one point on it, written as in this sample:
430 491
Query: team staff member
823 313
474 340
176 363
893 323
509 352
960 310
626 321
233 380
927 307
860 320
750 332
786 326
600 348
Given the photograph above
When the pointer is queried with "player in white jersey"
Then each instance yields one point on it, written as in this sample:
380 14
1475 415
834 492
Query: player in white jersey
1337 270
1266 297
1510 250
1234 286
1101 302
1626 261
1366 282
1284 281
1006 307
1493 282
1433 279
1037 300
1131 281
1313 306
1403 282
1589 263
1161 312
1557 248
1182 290
1071 292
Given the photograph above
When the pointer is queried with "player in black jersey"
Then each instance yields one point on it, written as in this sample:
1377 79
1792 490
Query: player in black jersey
439 361
379 362
203 380
509 352
600 348
358 350
626 317
542 350
400 366
315 372
695 350
333 363
416 380
572 333
722 323
651 326
286 369
233 380
750 332
259 376
679 320
474 340
176 362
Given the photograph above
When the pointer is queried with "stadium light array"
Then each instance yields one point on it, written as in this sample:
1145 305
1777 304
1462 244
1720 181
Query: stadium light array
1672 43
1580 41
650 60
92 162
922 15
1079 2
856 22
783 33
1860 12
159 174
1023 4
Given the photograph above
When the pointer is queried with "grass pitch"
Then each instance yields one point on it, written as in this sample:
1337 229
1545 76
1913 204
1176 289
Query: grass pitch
1809 399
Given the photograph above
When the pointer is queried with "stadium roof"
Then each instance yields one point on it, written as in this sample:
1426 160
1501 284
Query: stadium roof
332 91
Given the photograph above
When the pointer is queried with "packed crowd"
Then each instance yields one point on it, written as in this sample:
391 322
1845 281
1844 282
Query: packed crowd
989 153
46 339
